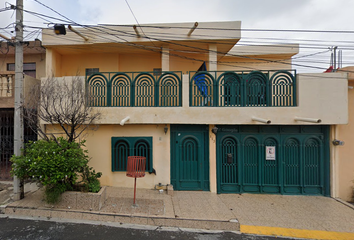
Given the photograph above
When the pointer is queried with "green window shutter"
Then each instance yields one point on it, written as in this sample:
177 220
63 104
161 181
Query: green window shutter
122 147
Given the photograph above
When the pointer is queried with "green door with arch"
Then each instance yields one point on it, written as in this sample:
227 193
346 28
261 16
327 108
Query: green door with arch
273 159
189 157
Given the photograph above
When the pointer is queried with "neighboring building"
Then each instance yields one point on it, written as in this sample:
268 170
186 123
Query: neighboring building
248 124
344 155
33 69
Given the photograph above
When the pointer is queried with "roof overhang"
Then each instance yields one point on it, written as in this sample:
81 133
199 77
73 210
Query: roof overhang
146 38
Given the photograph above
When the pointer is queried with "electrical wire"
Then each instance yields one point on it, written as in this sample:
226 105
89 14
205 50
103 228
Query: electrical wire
206 50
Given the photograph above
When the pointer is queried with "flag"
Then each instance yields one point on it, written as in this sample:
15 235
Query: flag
330 69
199 80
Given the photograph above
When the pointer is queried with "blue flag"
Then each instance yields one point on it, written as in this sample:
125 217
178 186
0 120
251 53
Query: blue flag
199 80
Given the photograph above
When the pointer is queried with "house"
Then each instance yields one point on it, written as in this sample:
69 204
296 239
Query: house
249 123
33 69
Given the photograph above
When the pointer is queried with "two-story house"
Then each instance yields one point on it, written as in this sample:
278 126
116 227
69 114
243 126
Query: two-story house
207 114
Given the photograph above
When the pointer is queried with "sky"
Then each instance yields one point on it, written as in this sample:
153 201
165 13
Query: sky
316 25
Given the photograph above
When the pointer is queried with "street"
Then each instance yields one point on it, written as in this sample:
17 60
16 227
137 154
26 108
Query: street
17 229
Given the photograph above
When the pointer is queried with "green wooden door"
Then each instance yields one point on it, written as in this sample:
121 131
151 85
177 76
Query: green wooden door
189 158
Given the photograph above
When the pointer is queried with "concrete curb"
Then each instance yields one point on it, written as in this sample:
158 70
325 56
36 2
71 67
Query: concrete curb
51 213
118 225
344 202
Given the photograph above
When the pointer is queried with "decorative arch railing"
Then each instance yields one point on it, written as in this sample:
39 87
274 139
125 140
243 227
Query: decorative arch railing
134 89
243 88
208 89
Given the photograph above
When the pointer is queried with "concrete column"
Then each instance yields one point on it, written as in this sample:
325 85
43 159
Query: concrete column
185 90
165 59
213 57
212 160
49 63
334 163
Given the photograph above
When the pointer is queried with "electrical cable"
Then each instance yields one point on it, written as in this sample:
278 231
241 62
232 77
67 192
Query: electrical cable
143 46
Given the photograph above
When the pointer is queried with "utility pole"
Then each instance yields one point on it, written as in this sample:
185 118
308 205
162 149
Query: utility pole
18 118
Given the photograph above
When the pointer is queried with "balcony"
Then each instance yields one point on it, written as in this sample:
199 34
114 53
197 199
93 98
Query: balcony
206 89
232 97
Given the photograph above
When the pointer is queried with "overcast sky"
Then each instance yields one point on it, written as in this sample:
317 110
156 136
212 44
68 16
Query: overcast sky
322 15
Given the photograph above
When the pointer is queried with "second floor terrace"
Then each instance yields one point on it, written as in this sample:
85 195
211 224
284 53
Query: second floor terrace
214 97
270 88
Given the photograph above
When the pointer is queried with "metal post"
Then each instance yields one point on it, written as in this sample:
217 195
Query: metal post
335 59
134 192
18 118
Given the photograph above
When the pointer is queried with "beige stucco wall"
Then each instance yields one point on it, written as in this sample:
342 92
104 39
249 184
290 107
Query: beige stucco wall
320 96
139 62
344 155
98 142
99 145
28 84
59 65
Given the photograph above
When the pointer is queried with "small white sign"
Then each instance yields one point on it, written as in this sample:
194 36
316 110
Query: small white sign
270 152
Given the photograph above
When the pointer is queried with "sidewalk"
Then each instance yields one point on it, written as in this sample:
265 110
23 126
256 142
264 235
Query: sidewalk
312 217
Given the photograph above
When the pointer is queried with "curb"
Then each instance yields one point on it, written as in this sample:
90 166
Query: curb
157 221
296 233
344 202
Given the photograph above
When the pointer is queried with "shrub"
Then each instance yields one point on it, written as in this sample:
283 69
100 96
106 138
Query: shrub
55 164
90 179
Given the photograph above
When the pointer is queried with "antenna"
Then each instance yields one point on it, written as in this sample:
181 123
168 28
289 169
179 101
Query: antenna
340 59
335 58
331 60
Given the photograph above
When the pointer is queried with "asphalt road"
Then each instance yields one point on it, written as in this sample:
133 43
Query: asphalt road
16 229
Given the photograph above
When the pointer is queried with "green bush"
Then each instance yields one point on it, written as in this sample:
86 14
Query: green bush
90 179
52 193
56 165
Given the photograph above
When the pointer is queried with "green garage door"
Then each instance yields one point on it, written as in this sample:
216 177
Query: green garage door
273 159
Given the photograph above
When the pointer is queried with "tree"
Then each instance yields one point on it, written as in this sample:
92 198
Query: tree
60 102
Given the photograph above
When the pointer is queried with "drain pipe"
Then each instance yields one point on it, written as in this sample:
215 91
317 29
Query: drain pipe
124 120
312 120
262 120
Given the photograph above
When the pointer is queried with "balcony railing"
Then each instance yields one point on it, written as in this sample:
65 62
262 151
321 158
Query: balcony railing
135 89
243 89
6 85
213 89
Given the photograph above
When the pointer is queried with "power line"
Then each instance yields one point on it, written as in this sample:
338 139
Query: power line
53 10
243 29
136 20
205 50
166 27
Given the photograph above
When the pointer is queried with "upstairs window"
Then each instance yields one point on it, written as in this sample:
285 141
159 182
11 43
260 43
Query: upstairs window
90 71
28 68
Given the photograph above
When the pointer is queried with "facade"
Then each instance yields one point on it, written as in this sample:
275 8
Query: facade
243 122
34 63
344 161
